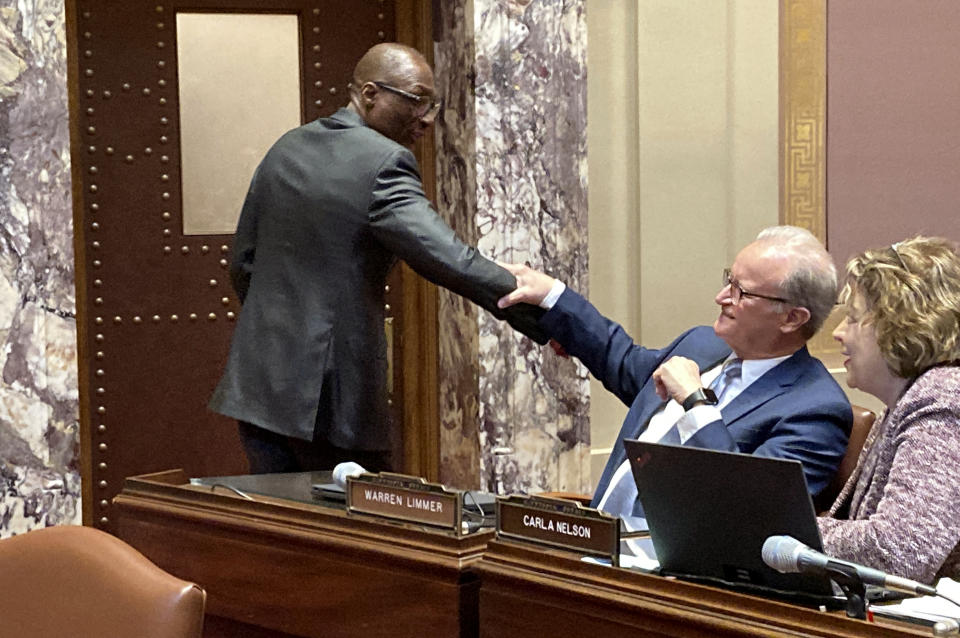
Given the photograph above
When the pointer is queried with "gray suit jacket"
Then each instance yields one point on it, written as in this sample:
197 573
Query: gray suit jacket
330 208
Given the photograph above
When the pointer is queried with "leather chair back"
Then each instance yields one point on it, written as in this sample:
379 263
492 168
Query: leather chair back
862 422
84 583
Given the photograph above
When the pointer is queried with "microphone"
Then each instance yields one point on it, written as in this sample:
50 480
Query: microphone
343 471
788 555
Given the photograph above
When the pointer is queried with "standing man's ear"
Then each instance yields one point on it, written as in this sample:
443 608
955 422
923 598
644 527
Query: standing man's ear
368 93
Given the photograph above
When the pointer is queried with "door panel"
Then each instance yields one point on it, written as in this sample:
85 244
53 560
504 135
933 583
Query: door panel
155 306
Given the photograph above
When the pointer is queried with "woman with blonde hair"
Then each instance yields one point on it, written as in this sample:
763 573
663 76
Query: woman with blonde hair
900 509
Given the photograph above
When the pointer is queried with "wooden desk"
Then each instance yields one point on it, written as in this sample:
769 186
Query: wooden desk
290 567
530 591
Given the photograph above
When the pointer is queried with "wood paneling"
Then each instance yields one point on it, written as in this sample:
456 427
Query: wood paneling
533 591
277 567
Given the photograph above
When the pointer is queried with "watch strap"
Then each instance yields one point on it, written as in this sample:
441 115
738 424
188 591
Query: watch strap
698 396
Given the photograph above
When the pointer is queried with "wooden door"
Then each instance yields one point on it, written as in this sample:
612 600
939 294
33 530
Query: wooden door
155 306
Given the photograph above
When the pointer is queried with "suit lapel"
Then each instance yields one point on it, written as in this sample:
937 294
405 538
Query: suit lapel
773 383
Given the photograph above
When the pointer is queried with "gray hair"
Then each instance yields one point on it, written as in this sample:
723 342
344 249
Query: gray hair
812 281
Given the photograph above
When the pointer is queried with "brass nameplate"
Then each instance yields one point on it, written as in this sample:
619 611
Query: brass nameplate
405 498
559 523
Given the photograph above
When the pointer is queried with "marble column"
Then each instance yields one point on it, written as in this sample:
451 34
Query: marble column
39 445
512 178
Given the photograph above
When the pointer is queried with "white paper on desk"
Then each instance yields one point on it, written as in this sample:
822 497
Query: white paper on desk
935 604
643 563
627 562
635 553
931 604
638 552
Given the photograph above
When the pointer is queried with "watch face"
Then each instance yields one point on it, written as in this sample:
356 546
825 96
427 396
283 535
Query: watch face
710 395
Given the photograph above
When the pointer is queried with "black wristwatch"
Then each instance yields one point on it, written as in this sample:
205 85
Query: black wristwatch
699 396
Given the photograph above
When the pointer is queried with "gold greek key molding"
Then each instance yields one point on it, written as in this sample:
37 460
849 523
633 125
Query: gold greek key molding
803 114
803 124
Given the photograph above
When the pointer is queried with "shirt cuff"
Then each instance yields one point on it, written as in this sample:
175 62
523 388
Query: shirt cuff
553 295
696 418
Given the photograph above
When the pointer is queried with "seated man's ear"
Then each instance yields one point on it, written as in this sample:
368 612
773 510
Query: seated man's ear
796 317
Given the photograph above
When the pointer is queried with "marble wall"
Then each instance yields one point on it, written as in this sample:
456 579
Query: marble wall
512 178
39 444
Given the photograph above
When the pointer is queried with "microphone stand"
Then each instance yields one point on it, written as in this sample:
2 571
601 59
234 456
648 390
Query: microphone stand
852 586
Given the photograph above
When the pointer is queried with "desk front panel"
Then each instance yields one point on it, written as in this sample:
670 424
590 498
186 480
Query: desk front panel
281 568
530 591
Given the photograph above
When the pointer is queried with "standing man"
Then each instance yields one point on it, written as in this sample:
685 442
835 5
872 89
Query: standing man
330 208
746 385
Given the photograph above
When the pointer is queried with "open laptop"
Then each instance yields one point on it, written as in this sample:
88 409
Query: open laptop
709 513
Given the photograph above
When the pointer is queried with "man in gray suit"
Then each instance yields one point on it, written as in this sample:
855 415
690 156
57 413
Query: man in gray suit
330 208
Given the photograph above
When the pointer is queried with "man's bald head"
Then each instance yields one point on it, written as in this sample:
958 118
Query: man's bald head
389 62
392 91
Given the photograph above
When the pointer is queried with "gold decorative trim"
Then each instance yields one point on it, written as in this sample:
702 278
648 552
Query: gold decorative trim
803 125
803 114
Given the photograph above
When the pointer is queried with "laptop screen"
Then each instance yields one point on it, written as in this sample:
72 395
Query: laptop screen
709 513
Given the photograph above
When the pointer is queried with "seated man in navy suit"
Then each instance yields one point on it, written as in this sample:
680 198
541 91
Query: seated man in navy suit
746 385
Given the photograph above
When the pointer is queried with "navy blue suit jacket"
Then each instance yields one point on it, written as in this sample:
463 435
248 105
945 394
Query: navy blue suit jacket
794 411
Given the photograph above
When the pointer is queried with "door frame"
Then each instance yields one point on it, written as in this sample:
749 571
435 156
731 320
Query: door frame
418 337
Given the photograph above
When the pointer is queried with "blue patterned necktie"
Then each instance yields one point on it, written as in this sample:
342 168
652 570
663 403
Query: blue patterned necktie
731 371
